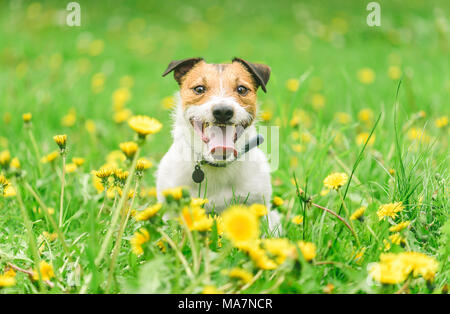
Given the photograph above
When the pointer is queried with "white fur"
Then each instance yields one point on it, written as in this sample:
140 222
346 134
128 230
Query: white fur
247 178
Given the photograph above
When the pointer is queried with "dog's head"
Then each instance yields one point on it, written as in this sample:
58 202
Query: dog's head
219 101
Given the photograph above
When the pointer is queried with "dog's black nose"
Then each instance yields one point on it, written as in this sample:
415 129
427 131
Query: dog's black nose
223 113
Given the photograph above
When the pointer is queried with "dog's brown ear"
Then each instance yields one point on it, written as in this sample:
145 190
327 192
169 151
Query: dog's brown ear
260 72
181 67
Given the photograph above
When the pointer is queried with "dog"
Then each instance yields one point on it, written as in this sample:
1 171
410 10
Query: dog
213 120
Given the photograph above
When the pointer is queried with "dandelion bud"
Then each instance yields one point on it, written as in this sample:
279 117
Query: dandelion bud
61 141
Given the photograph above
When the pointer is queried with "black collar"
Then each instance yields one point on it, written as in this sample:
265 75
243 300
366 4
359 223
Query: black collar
213 164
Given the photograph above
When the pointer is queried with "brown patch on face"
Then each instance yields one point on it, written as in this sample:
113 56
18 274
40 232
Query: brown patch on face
219 80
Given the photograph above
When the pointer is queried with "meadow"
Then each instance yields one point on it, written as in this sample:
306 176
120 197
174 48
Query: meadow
362 178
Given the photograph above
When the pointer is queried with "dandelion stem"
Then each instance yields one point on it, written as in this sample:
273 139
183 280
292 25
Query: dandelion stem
116 248
338 217
105 191
348 214
31 239
50 218
63 183
116 211
36 150
193 247
179 254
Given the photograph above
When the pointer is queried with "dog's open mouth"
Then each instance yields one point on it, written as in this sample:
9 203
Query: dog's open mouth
219 138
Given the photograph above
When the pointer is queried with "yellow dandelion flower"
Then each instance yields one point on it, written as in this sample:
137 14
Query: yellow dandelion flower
126 81
50 157
395 268
161 246
266 115
122 115
359 255
198 201
96 47
387 245
396 238
399 227
46 271
5 158
69 119
324 192
3 181
389 210
361 138
343 118
394 72
419 135
9 191
240 225
148 213
61 141
441 122
357 214
175 193
281 249
258 209
90 126
168 102
104 172
98 82
277 201
292 84
240 274
308 250
120 97
78 161
298 148
144 125
143 164
71 168
211 290
140 237
420 264
318 101
297 220
391 272
196 218
115 158
258 255
328 288
366 76
26 117
335 180
365 115
7 280
129 149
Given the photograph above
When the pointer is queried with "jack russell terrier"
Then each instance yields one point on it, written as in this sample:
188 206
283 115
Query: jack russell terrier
214 137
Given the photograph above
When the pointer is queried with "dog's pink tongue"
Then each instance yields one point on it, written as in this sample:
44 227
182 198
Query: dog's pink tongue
221 141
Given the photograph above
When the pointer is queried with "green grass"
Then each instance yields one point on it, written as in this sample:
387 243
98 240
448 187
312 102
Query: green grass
47 69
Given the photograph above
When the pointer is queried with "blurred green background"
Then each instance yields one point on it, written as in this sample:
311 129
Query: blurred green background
85 81
49 68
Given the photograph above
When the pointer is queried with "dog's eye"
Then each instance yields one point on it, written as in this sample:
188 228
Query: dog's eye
199 89
242 90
